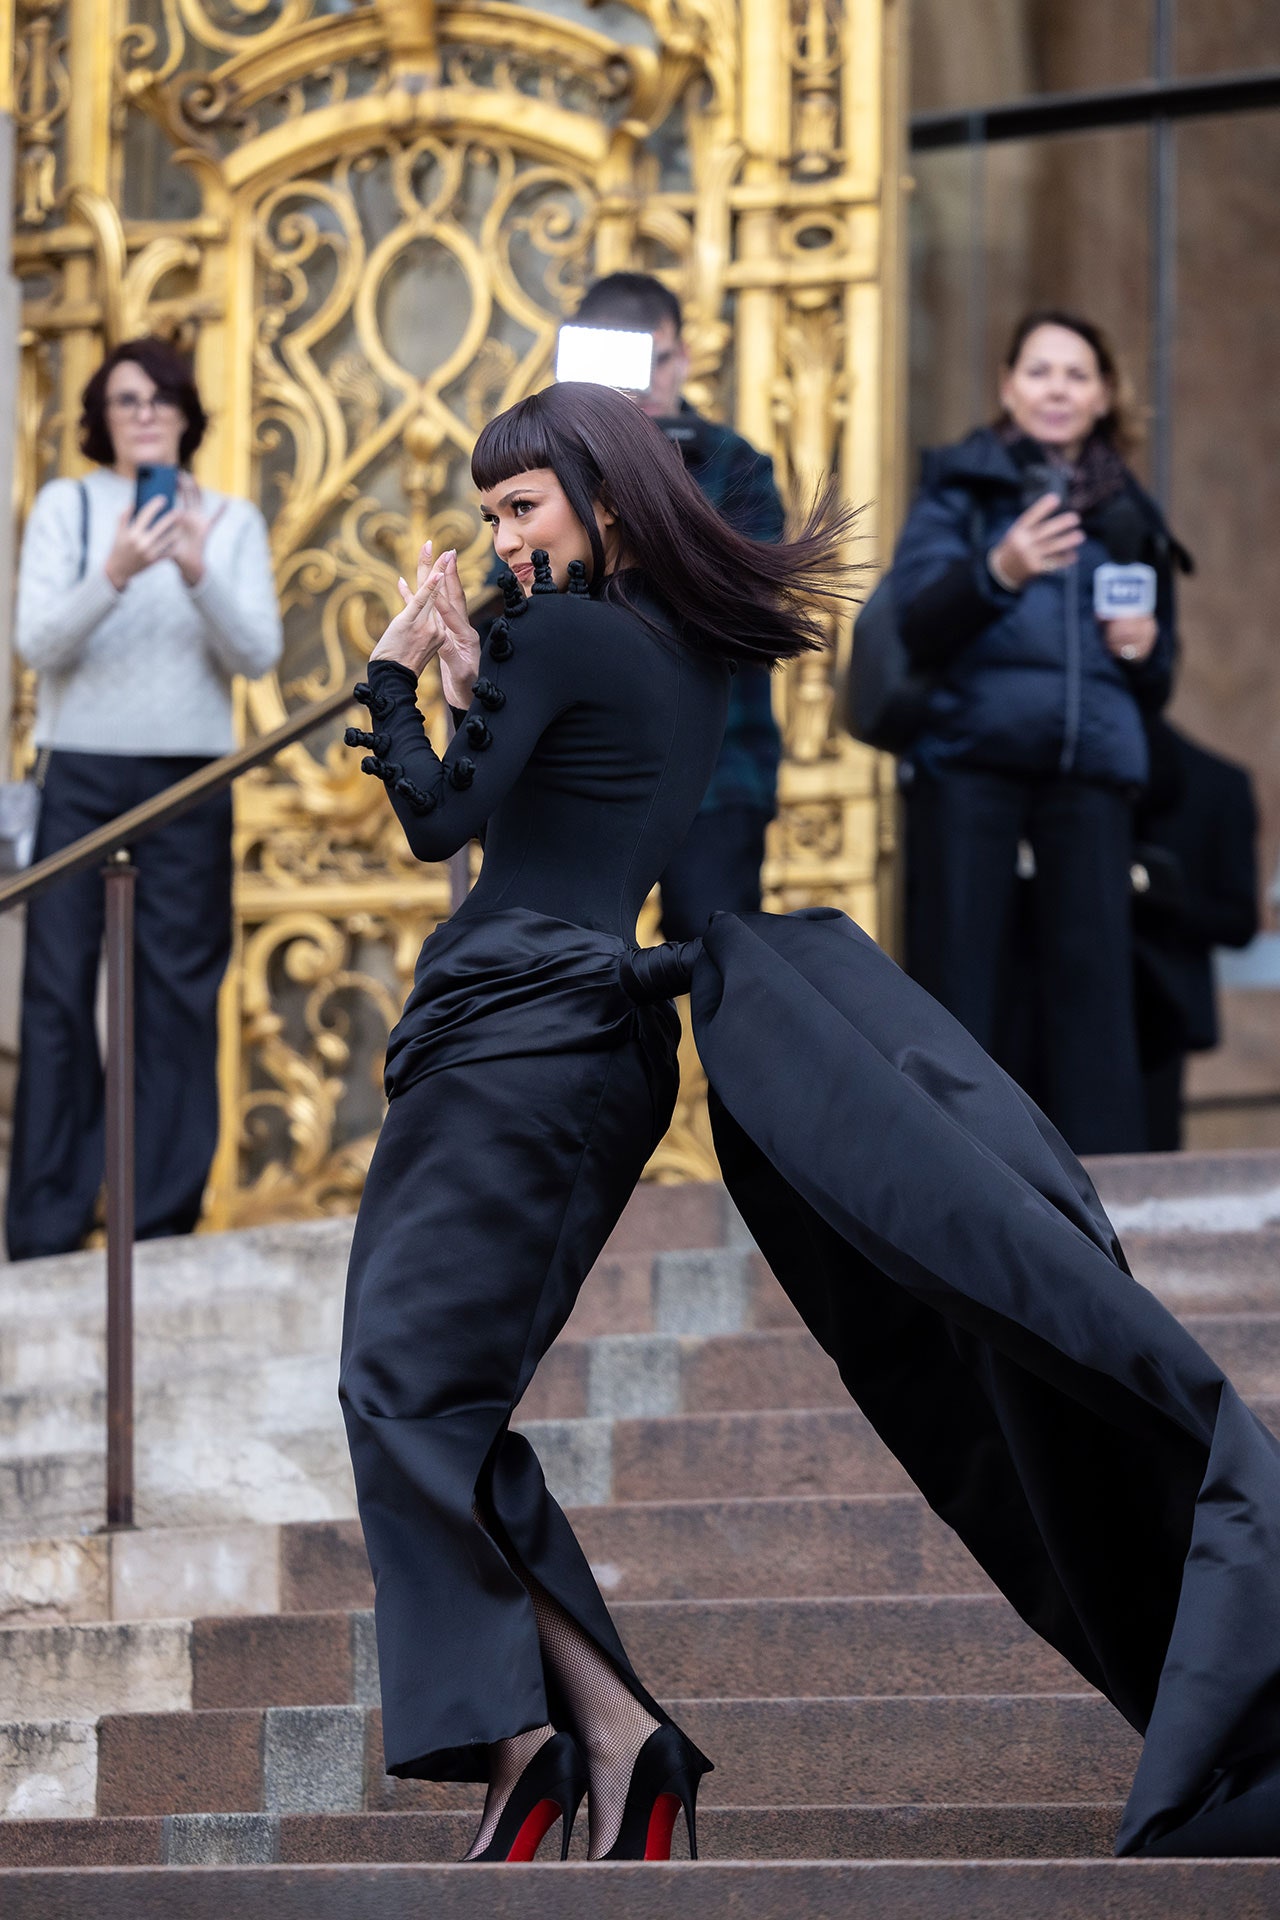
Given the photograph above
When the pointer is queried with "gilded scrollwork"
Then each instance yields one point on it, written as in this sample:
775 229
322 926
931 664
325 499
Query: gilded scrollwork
41 97
389 207
816 110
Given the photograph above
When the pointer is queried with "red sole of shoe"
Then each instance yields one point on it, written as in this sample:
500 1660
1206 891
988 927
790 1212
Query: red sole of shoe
662 1822
537 1825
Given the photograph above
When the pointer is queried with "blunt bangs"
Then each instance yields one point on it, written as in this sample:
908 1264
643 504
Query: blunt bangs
518 441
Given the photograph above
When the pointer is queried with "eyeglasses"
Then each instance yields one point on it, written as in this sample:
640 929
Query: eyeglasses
133 405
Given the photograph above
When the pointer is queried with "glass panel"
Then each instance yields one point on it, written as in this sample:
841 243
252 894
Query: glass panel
969 53
1226 443
1231 36
1062 222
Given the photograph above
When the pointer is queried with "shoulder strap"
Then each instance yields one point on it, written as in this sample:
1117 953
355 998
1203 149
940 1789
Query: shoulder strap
84 528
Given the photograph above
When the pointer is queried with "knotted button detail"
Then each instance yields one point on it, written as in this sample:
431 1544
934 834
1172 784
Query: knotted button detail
462 773
489 694
512 594
386 770
478 733
355 737
542 580
499 643
378 703
578 583
420 802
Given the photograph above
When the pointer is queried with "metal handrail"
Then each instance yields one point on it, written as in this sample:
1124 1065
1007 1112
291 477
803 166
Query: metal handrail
111 844
103 842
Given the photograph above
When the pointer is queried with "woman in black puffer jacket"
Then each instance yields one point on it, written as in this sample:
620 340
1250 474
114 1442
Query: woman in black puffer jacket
1034 732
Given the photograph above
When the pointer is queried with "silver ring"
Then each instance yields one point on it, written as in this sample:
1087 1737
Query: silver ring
1128 653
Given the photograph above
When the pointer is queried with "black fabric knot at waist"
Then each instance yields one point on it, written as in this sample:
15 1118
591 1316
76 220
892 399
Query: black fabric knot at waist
649 974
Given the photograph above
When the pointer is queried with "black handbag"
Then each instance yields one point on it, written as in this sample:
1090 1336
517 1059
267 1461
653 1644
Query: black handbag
888 701
887 698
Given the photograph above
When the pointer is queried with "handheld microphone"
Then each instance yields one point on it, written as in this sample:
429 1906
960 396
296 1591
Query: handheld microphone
1125 586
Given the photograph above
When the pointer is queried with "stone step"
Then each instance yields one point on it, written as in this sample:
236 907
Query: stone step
802 1890
1200 1271
78 1672
708 1549
262 1397
185 1322
158 1573
844 1751
748 1455
610 1376
723 1649
265 1442
993 1832
1234 1191
855 1545
279 1289
189 1479
1247 1348
857 1751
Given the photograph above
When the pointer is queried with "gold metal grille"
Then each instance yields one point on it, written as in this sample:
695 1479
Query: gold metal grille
366 218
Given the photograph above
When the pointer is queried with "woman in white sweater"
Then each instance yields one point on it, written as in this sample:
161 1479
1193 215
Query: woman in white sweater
127 617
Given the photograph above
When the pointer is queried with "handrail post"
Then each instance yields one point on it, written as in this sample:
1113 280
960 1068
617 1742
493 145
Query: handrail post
120 876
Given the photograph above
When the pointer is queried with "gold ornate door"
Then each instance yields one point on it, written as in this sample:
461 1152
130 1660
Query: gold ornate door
367 218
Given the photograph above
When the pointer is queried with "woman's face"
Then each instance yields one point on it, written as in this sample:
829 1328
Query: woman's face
531 510
146 424
1055 390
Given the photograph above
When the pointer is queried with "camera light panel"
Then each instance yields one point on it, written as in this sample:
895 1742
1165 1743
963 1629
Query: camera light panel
605 357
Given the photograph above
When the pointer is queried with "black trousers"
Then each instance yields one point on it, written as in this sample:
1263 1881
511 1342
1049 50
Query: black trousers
963 944
716 870
182 943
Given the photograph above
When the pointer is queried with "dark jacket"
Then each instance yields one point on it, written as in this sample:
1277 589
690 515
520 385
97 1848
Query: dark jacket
1025 681
739 483
1196 838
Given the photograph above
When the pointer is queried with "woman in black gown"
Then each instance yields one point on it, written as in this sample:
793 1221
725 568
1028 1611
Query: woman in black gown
527 1089
934 1231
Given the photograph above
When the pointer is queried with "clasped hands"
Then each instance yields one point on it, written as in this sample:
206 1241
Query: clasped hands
434 625
1047 537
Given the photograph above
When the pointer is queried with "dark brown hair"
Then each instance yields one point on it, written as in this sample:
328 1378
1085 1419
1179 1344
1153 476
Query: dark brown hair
173 377
739 598
629 300
1117 427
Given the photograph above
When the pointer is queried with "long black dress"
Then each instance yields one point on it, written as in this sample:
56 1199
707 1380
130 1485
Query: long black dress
527 1092
935 1232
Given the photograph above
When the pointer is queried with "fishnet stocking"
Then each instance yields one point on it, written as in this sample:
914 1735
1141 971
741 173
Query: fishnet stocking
507 1761
610 1723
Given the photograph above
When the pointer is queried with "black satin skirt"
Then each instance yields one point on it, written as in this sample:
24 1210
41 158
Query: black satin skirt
945 1246
940 1240
527 1093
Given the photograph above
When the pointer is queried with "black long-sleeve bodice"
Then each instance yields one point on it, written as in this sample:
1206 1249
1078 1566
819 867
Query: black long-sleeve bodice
584 757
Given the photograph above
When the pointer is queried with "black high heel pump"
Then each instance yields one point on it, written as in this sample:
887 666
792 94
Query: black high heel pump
664 1780
551 1788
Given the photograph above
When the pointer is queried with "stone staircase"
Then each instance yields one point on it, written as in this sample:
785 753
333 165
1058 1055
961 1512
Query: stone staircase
188 1713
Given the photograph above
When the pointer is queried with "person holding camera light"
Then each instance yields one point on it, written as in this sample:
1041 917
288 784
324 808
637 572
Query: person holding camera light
718 867
140 594
1034 581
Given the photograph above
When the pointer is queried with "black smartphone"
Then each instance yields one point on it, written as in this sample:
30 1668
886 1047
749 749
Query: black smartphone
156 483
1044 477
